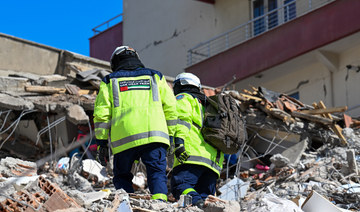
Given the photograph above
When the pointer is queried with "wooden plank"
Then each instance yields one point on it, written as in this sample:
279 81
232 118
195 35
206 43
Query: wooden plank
313 118
326 110
247 92
88 92
44 89
336 128
251 97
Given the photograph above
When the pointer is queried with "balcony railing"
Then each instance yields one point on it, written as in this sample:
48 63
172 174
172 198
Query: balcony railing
252 28
107 24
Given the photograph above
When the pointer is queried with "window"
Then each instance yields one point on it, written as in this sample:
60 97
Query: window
266 13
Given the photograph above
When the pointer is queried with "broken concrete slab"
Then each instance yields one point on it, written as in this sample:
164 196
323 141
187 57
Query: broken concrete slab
294 153
272 141
13 84
26 75
15 103
52 78
76 115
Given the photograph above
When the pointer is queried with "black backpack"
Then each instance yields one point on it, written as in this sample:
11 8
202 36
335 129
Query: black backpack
223 127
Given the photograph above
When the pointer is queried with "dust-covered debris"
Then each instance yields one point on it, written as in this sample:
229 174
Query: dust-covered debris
292 150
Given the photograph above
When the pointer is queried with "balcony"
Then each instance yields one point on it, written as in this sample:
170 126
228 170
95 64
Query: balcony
333 21
253 28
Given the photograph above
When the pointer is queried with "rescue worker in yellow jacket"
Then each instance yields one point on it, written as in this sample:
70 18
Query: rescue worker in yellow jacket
135 110
197 164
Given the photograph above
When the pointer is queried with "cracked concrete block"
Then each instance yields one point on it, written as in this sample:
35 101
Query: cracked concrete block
229 206
77 115
12 83
15 103
352 161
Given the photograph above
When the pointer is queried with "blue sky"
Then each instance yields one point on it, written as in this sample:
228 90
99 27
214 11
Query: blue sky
62 24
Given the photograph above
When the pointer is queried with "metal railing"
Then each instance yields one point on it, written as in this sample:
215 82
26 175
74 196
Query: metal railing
257 26
106 24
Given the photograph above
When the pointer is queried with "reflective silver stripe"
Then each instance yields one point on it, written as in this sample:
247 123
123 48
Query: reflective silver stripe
205 160
98 132
115 90
154 87
202 114
102 125
171 122
137 137
179 121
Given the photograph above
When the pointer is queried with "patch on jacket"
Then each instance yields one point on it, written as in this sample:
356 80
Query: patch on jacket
181 96
143 84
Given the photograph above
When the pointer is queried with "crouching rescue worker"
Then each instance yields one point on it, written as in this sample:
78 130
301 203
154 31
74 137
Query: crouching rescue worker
136 110
197 164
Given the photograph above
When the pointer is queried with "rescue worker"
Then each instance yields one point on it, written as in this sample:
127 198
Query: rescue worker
136 110
197 164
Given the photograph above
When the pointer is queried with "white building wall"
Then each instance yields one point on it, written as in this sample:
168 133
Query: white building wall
162 31
313 79
347 84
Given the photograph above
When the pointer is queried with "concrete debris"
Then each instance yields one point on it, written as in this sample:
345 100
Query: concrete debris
77 115
279 161
272 203
139 180
228 206
12 84
235 189
15 103
47 158
92 168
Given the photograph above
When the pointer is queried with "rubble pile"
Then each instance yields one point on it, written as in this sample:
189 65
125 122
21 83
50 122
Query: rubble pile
52 108
294 150
296 157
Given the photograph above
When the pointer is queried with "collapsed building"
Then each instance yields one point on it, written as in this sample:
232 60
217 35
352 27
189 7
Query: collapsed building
296 157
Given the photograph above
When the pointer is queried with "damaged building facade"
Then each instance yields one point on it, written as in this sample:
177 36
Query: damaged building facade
308 49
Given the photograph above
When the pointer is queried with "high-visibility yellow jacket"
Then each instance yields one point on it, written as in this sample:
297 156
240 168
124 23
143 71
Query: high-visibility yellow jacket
190 119
135 107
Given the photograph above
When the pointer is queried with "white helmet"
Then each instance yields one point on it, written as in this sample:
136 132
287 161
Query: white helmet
188 79
121 51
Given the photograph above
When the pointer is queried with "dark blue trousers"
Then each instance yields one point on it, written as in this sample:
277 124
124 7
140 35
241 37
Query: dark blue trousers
153 156
197 177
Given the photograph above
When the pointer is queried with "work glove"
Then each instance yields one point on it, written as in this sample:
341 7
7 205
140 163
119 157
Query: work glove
102 154
180 153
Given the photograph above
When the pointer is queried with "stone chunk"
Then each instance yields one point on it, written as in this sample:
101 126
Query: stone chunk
77 115
279 161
